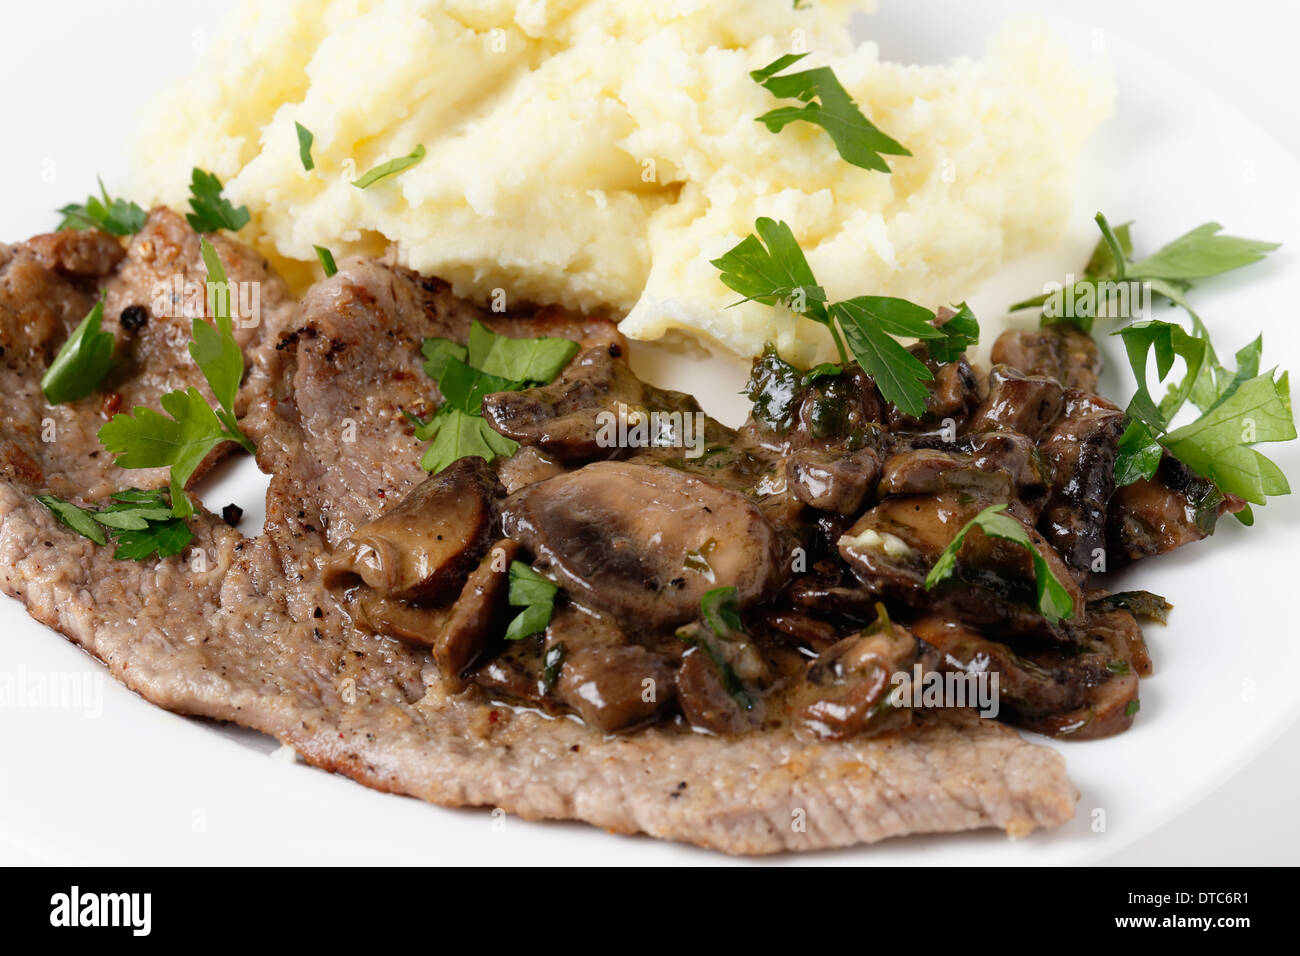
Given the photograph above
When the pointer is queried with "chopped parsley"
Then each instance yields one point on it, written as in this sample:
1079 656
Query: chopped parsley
82 362
140 522
326 260
827 104
305 139
771 268
536 595
551 664
117 217
720 615
211 210
1054 601
775 387
390 168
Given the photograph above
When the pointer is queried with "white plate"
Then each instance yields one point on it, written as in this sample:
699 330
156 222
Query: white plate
128 782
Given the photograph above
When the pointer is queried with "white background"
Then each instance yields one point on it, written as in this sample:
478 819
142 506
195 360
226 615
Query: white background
1241 50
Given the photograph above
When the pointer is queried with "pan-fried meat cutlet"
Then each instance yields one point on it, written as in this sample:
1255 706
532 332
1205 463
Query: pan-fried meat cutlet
252 633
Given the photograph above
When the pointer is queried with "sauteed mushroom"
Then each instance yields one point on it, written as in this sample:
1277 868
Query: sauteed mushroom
423 549
644 542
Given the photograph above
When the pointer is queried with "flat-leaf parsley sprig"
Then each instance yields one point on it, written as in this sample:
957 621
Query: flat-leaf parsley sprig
1239 407
211 210
771 268
465 374
826 104
82 361
191 429
117 217
141 523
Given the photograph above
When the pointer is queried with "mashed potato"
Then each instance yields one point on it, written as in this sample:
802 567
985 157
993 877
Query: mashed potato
598 153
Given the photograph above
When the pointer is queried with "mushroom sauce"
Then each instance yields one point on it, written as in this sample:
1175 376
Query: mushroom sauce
780 574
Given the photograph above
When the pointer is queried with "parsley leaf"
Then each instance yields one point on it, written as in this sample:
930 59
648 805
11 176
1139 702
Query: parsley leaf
536 360
164 538
457 434
465 374
82 361
117 217
1201 253
305 139
140 522
771 268
212 211
78 519
1054 601
960 332
215 350
536 595
464 386
437 352
1170 271
1137 455
869 322
390 168
326 260
145 438
1168 341
1218 444
828 105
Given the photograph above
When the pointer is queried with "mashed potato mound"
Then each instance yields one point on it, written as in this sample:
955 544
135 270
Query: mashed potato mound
598 153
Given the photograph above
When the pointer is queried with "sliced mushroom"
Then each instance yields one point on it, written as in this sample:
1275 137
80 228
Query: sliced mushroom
517 674
804 628
569 419
478 614
848 687
894 545
1072 694
706 701
953 394
832 482
1171 509
1020 403
644 542
423 549
527 466
616 687
1058 351
409 622
928 471
1119 632
1081 448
